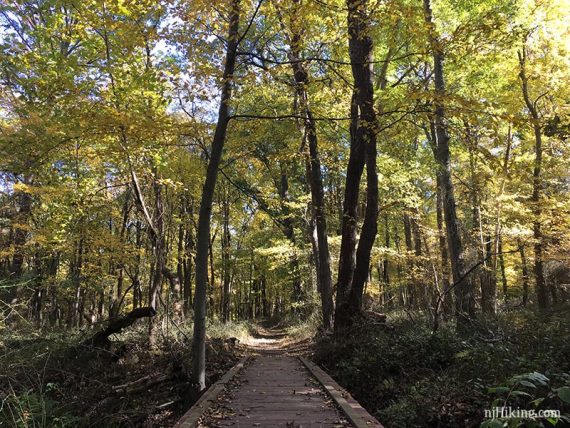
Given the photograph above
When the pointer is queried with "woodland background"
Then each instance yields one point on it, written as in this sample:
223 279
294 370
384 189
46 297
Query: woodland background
402 157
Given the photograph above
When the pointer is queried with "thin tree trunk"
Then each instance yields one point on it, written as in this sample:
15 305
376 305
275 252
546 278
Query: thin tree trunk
323 262
487 275
190 249
20 235
212 276
501 258
119 268
411 286
537 188
21 232
159 250
199 339
419 284
76 271
525 273
386 295
498 242
180 253
289 232
226 241
463 286
444 269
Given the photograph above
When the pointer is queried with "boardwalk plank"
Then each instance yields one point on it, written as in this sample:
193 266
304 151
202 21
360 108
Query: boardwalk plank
278 390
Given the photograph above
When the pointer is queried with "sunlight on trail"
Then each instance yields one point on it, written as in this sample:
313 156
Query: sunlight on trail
267 339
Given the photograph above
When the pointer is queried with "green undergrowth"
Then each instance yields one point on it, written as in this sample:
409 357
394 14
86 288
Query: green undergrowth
241 330
409 377
306 328
48 380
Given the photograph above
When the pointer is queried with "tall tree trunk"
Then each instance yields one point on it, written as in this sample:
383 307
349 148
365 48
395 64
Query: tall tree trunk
264 301
188 259
135 278
463 286
159 251
501 258
212 276
498 256
387 294
156 234
487 275
76 272
411 286
525 273
119 268
199 339
363 139
21 219
537 187
323 262
349 226
226 241
447 299
421 288
180 253
289 232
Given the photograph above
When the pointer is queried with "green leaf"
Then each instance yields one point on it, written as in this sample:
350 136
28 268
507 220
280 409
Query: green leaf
520 394
493 423
538 378
563 393
499 390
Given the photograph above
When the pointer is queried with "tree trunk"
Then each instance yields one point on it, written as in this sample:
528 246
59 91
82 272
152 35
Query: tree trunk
190 248
159 249
354 267
226 241
463 286
487 275
199 339
411 286
323 262
21 230
501 258
289 232
525 273
541 292
387 294
116 297
20 221
444 269
76 270
421 289
347 257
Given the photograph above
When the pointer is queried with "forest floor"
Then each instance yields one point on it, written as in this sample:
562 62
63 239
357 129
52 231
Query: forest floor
400 371
47 381
408 376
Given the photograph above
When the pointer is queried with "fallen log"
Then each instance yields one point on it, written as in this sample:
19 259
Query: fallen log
116 325
141 384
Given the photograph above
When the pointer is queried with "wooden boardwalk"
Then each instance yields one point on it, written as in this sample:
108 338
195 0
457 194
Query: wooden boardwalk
276 389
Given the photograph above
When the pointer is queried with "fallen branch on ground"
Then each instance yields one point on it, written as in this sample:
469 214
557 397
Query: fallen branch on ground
116 325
